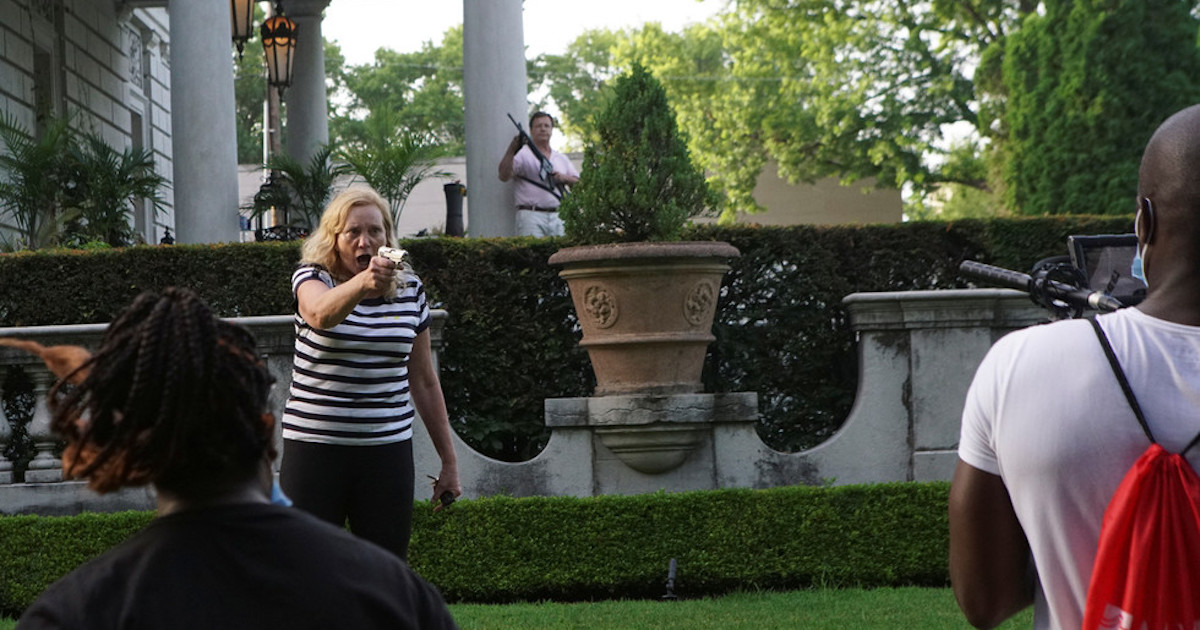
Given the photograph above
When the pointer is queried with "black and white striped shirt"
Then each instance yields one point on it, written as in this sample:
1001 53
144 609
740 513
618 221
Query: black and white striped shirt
350 383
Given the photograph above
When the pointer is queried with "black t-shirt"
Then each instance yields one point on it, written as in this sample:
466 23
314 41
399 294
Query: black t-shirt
241 566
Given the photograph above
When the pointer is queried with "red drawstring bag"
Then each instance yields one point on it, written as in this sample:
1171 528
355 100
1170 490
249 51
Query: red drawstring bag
1147 570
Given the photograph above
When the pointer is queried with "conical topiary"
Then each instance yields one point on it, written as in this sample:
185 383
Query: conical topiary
638 182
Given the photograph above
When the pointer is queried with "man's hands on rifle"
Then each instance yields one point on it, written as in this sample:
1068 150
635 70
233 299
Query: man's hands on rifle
518 141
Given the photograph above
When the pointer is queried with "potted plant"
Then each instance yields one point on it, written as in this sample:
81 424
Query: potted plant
645 300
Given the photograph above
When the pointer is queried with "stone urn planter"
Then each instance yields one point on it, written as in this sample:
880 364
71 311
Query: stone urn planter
646 310
645 300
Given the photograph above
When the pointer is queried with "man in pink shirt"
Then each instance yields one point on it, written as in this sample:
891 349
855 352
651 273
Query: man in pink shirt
540 184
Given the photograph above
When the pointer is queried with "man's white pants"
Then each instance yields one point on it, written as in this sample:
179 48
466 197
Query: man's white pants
538 223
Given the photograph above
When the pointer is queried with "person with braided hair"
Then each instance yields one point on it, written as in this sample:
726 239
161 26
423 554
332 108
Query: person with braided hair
178 399
362 372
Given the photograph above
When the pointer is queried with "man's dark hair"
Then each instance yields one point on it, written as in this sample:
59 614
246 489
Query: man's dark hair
540 114
174 396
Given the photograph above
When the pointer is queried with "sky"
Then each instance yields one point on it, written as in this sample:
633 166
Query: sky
363 26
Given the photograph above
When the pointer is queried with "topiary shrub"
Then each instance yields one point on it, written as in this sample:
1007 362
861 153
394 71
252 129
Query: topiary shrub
638 182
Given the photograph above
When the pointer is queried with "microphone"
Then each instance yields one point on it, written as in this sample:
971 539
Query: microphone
1035 287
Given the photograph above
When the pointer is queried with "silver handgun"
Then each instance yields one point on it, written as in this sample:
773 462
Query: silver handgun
393 254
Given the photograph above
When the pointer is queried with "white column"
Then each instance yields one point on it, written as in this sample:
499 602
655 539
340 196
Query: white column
494 84
307 110
203 135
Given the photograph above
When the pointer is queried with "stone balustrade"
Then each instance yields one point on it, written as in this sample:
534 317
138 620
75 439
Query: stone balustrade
917 353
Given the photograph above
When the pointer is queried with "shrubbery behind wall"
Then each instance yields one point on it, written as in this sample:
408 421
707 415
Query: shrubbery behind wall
511 339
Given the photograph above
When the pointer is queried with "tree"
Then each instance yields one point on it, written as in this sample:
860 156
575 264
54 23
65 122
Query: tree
250 92
1086 85
574 80
823 88
71 188
851 89
964 162
423 90
692 66
639 183
696 70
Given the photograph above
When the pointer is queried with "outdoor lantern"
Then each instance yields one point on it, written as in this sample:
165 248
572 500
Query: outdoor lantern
242 15
279 45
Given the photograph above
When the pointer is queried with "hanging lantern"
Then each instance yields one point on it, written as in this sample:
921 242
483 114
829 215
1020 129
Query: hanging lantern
279 45
242 15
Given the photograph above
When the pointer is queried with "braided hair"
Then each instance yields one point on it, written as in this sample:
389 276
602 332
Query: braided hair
174 397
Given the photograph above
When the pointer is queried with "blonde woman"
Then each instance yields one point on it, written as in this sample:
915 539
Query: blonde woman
362 366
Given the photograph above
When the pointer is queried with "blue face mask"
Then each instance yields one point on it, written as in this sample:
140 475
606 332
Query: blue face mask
277 495
1135 269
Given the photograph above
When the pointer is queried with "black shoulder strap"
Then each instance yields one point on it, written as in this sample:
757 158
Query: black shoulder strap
543 186
1120 374
1133 403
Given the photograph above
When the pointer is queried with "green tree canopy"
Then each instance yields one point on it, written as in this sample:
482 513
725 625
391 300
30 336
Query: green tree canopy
392 159
822 88
421 90
574 80
858 90
1086 84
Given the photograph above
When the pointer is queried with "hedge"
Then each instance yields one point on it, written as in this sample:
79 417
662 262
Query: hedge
511 341
503 549
38 550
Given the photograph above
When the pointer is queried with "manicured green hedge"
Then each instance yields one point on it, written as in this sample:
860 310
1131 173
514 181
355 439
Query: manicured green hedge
511 339
503 549
39 550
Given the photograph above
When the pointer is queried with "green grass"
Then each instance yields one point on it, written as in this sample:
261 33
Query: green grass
823 609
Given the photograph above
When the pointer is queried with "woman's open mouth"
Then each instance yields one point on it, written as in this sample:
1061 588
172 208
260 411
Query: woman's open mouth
363 261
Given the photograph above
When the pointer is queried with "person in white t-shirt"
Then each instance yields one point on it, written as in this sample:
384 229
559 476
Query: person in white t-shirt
539 186
1047 435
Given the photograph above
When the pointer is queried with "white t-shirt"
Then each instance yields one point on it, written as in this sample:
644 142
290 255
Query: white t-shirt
1046 414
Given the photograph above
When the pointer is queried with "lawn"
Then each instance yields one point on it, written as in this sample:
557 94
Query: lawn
823 609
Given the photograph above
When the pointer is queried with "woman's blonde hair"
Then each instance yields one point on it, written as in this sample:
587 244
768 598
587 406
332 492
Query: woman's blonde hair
320 248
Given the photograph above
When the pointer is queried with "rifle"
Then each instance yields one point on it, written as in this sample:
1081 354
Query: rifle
546 172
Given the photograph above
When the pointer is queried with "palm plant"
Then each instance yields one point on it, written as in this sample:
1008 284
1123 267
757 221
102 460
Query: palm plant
303 188
108 183
392 159
36 180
